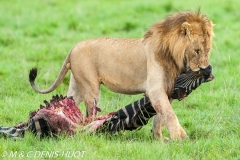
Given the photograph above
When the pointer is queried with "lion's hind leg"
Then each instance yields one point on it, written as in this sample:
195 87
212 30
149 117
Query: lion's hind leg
86 90
91 100
74 92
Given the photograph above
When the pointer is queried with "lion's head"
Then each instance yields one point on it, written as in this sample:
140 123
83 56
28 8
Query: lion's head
198 31
180 42
184 38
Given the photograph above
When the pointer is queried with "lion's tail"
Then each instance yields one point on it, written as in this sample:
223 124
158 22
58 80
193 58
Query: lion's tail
61 75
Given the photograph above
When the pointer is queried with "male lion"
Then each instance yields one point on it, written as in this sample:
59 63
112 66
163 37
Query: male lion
148 65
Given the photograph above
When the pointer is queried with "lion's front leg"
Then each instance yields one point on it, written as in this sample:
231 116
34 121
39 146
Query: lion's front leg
158 123
156 92
165 116
157 126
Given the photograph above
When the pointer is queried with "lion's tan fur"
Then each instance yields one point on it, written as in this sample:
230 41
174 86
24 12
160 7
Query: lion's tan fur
165 39
147 65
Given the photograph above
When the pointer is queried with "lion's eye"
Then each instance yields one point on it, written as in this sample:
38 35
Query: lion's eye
197 51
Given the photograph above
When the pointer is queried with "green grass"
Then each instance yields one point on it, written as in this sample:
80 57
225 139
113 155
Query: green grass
41 33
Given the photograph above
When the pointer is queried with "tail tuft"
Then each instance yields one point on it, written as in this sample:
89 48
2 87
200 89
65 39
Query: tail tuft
32 75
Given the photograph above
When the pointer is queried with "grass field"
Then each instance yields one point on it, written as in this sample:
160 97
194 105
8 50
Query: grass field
41 33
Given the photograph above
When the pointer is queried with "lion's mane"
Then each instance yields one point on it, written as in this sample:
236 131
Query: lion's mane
167 40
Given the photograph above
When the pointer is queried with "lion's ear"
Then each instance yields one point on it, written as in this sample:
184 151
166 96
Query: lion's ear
186 29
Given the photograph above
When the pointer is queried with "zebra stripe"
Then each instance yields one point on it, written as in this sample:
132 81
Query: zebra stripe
137 114
132 116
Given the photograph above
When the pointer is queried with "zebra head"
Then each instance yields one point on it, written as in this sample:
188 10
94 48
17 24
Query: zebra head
189 81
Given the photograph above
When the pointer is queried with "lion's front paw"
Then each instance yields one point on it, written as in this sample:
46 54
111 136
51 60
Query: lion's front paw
178 134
